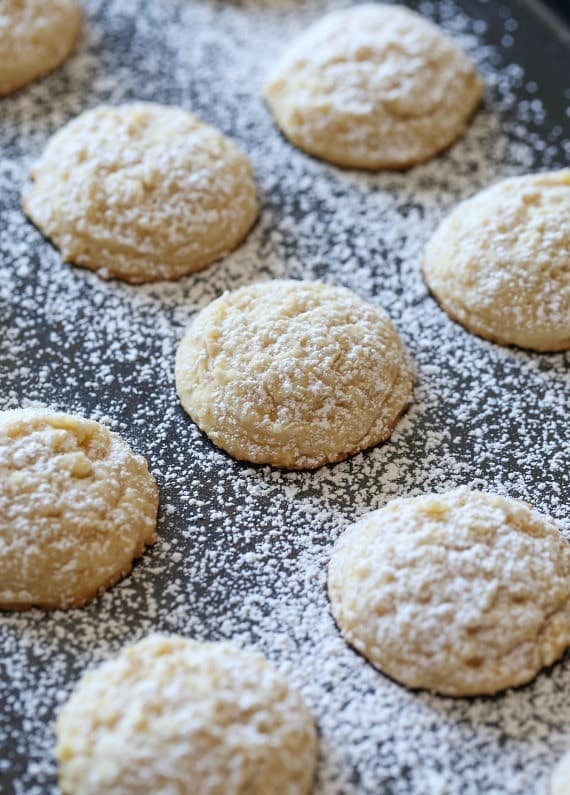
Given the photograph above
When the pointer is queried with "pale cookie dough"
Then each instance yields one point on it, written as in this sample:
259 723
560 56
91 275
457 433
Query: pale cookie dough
500 263
373 86
142 192
463 593
293 374
36 36
76 507
171 715
560 782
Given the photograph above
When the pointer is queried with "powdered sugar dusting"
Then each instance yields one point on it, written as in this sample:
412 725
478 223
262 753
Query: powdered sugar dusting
243 550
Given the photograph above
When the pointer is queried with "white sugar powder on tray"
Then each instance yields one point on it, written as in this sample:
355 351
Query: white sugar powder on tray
243 550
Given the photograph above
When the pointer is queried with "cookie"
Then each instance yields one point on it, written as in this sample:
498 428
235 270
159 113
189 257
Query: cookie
463 593
76 507
373 86
36 36
560 782
500 263
171 715
293 374
142 192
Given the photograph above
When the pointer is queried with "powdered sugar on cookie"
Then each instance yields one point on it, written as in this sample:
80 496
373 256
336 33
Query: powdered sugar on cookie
500 263
142 192
35 37
463 593
76 507
169 714
293 374
373 86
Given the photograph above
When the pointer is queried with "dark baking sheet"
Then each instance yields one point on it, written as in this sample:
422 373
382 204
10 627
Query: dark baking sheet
243 549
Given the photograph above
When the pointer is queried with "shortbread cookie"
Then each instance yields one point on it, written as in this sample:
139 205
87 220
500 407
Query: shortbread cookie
500 263
293 374
36 36
560 783
76 507
373 86
171 715
142 192
463 593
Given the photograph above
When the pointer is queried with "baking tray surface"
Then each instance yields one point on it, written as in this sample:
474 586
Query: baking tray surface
243 549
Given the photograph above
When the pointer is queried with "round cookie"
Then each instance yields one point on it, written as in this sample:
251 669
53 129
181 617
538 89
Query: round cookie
142 192
373 86
293 374
76 507
463 593
560 782
500 263
36 36
171 715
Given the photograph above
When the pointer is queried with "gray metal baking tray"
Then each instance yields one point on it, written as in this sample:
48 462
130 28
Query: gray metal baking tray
243 550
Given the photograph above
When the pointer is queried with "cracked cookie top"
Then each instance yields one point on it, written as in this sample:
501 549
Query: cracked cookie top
463 593
293 374
76 507
373 86
170 715
142 192
500 262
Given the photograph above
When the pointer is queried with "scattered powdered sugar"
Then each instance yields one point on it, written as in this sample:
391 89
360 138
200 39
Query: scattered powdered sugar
242 550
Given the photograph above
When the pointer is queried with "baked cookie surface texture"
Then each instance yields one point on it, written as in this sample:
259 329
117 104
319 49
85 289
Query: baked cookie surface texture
500 262
171 715
293 374
36 36
76 507
463 593
373 86
142 192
